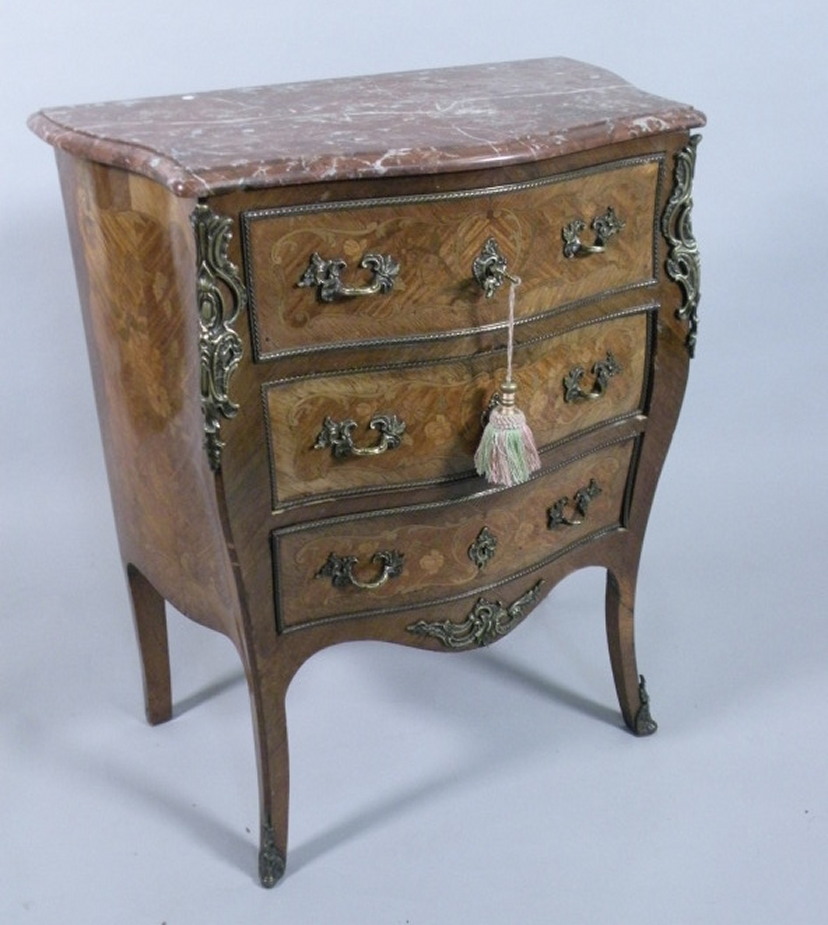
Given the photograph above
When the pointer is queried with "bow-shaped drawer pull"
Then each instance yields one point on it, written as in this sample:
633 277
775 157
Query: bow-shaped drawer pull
338 435
603 371
583 498
326 276
340 569
605 226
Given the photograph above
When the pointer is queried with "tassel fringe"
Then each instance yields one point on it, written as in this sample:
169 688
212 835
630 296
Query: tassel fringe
507 454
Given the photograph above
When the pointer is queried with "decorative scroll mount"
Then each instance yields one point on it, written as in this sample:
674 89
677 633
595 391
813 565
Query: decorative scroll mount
221 296
683 264
487 622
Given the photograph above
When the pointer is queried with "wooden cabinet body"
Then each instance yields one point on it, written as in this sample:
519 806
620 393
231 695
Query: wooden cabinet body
290 456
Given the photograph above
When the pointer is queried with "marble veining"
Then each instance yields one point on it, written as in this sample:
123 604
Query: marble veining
452 119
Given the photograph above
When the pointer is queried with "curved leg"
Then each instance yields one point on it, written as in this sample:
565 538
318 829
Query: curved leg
629 685
272 754
148 611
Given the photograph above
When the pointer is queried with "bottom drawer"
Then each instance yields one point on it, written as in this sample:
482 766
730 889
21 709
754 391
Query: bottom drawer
416 556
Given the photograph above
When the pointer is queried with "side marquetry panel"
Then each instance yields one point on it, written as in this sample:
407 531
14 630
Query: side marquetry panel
136 268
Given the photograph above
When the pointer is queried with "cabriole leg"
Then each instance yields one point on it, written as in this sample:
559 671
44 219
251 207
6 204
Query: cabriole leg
629 685
274 782
149 614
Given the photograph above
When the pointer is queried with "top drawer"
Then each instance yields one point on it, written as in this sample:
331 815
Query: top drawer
434 240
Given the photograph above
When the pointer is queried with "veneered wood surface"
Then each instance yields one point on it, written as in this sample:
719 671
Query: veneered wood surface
435 243
135 264
246 459
442 405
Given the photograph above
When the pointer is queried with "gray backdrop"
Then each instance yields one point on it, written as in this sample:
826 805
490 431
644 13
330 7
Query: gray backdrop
496 787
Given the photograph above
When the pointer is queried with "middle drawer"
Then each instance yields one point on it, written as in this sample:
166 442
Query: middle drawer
391 427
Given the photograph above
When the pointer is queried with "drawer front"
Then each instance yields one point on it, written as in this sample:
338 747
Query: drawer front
427 418
416 556
434 241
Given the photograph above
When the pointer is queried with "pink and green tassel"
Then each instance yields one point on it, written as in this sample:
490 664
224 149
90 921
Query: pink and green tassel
507 454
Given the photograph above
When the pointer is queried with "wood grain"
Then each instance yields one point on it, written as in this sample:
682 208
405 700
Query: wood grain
135 264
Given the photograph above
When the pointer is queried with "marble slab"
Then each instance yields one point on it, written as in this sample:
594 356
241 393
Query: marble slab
427 121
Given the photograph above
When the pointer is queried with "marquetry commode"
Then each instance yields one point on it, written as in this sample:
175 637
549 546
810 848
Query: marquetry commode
296 307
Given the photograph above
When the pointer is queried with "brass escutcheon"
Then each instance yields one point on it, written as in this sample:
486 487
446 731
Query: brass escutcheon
490 270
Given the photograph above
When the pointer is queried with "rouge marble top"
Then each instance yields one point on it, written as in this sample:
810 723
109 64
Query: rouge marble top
414 122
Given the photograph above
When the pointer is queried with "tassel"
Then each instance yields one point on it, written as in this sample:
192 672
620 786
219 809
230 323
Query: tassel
507 454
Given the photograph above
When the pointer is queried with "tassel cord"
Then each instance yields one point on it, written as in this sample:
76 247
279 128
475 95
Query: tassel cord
510 331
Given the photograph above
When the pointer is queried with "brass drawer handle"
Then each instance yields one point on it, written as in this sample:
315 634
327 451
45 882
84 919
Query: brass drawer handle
580 503
340 569
605 226
326 275
603 371
338 435
490 270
